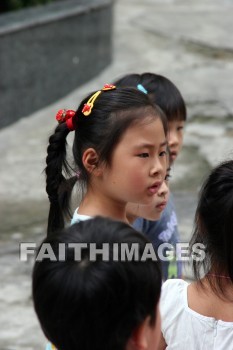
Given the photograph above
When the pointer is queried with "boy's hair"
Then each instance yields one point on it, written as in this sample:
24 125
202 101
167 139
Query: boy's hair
114 111
214 227
162 92
95 305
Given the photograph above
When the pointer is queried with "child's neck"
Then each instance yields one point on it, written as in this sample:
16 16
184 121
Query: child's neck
94 204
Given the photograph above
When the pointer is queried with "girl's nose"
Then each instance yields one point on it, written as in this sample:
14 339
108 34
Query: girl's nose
159 167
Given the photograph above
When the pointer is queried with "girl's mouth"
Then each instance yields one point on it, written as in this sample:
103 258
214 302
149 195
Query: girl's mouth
154 188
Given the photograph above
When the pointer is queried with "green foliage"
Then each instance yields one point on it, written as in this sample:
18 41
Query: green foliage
11 5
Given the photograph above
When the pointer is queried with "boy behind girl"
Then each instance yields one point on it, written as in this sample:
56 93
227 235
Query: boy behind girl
165 95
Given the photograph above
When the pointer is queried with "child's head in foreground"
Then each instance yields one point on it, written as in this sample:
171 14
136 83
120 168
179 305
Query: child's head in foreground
167 96
98 305
214 228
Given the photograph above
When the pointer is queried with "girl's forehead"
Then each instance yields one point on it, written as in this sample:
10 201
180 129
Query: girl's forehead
145 135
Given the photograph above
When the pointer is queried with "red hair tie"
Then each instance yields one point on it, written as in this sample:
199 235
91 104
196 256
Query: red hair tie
64 115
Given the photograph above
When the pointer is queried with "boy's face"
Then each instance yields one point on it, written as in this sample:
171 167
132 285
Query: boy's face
175 137
151 211
154 210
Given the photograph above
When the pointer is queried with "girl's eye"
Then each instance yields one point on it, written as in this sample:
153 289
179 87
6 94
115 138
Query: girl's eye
143 155
162 154
179 128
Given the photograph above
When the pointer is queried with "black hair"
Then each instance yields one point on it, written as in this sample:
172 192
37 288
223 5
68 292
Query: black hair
95 305
162 92
113 113
214 227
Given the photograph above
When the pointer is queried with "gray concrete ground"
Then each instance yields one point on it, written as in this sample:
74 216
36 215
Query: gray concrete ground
189 42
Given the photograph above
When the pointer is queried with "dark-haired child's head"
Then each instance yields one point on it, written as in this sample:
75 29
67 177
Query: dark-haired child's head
167 96
107 303
97 136
214 226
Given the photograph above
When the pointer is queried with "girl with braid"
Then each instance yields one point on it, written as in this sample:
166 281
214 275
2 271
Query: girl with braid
119 154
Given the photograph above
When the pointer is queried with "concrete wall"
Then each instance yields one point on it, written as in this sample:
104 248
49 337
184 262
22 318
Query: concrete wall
47 51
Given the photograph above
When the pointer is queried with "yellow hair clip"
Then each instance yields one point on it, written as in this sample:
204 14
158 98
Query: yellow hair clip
87 108
90 103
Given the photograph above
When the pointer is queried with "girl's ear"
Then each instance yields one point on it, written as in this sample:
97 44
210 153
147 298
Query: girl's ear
90 160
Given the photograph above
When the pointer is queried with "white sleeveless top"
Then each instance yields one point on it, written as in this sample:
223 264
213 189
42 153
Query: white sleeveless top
184 328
